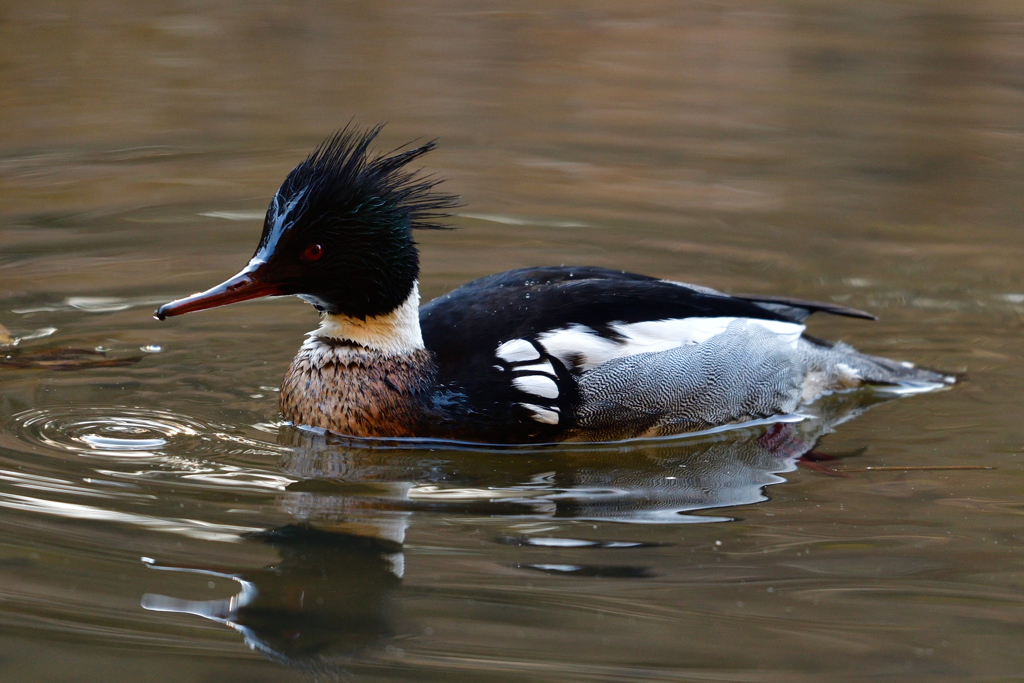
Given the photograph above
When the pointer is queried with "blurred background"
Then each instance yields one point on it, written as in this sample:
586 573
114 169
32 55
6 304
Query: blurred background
867 153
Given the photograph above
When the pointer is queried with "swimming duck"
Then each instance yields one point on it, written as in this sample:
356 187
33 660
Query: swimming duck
530 355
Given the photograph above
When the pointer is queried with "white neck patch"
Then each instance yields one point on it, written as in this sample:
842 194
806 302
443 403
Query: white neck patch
393 334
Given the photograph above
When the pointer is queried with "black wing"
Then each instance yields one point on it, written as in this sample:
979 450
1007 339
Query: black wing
799 309
518 304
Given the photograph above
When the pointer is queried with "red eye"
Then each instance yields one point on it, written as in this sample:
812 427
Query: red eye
312 253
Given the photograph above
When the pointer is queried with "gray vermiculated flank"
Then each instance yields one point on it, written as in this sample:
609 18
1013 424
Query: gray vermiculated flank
743 373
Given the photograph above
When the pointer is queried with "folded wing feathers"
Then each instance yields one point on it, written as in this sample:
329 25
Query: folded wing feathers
537 385
582 348
517 350
533 375
545 415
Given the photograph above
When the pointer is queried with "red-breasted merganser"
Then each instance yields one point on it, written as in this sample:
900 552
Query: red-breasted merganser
531 355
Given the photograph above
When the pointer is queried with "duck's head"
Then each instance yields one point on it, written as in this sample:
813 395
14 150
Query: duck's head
338 233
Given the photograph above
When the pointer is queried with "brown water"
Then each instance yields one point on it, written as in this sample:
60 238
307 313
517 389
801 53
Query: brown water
156 522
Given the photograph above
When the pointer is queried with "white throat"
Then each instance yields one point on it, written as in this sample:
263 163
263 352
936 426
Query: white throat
393 334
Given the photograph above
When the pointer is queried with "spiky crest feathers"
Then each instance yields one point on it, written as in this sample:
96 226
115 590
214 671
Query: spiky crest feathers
344 173
338 231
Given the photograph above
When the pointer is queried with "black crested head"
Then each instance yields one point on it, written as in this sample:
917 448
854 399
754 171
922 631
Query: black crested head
338 233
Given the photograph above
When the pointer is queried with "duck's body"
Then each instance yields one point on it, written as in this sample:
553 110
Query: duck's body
549 354
539 354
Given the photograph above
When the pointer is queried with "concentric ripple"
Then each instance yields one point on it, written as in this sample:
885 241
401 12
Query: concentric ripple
115 432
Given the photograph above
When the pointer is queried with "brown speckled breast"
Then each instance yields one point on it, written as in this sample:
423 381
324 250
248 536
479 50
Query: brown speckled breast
357 391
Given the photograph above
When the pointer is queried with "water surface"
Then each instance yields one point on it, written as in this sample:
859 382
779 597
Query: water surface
158 523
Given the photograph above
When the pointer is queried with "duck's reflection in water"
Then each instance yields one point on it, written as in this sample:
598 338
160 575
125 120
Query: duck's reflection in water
654 481
324 601
329 598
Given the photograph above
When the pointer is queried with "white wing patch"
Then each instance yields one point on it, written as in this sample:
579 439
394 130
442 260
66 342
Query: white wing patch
517 350
541 414
582 347
538 385
579 342
544 367
537 378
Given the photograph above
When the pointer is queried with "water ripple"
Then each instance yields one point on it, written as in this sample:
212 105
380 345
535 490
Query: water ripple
116 432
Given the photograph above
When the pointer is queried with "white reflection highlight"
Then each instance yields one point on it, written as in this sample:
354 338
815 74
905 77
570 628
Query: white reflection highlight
236 215
192 528
517 220
50 484
239 478
220 610
93 304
